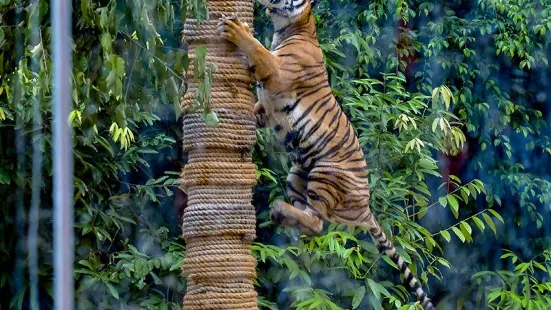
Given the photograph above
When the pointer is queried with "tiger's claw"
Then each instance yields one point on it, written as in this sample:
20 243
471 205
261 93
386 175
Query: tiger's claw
233 30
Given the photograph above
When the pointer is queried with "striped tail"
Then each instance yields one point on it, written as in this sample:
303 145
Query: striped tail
384 244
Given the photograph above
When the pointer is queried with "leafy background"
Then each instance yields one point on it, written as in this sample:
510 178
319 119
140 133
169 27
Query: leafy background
449 100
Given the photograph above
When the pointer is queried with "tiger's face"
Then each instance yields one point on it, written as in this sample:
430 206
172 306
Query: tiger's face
285 8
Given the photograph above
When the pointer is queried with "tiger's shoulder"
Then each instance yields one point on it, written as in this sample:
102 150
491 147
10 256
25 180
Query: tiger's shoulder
301 47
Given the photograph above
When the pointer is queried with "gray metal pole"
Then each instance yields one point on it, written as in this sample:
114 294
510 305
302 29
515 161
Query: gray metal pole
63 157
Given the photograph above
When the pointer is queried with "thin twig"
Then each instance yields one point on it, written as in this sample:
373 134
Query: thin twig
432 205
153 55
459 223
130 77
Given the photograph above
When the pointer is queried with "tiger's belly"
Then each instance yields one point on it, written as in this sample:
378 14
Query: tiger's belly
304 131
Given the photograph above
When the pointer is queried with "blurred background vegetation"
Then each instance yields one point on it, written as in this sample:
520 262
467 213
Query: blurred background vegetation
450 101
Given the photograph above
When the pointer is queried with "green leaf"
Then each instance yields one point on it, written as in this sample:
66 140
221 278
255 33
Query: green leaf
443 201
422 212
446 95
458 233
490 222
377 289
389 261
106 42
446 235
87 264
147 151
444 262
467 227
479 223
454 205
210 119
178 110
435 93
466 231
156 279
86 230
358 297
183 10
304 275
434 124
19 298
112 290
494 213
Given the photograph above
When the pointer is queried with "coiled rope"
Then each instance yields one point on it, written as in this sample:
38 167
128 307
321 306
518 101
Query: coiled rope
219 221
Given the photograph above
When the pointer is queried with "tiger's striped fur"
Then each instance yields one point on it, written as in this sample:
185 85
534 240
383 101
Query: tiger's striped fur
329 179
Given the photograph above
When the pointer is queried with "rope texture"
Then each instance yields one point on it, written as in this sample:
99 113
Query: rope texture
219 221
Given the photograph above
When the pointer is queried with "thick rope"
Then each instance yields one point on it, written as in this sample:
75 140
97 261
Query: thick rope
219 221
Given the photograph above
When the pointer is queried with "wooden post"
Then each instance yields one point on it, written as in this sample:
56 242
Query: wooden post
219 221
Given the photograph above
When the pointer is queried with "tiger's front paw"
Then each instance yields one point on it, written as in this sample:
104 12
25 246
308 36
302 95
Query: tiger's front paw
233 30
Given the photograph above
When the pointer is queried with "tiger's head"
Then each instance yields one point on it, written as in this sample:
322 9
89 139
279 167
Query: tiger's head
284 12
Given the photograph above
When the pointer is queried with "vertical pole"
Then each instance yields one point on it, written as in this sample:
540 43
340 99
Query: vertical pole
219 221
63 157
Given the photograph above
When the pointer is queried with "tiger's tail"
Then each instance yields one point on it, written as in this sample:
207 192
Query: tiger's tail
377 232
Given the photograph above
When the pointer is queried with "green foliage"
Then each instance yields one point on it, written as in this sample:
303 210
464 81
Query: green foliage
199 10
522 288
126 73
310 298
203 75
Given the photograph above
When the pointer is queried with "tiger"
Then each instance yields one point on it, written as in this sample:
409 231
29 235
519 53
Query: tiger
328 180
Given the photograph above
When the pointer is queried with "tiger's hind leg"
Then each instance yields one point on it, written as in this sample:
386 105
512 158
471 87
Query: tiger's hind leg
297 181
315 194
308 221
299 214
317 208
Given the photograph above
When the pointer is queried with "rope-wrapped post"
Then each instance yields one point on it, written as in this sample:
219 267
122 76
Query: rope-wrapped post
219 221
